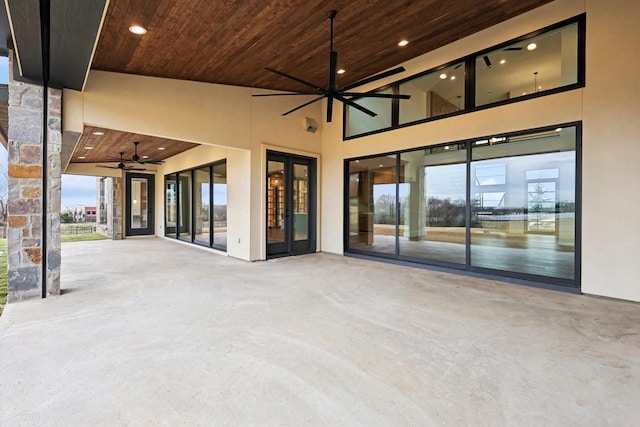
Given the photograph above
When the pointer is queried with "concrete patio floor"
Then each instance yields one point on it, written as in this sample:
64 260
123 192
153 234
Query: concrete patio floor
152 332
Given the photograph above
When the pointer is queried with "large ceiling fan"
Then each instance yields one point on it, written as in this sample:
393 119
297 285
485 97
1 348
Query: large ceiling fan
332 91
121 165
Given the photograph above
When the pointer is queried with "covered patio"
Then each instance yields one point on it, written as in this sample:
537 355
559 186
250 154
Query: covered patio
151 331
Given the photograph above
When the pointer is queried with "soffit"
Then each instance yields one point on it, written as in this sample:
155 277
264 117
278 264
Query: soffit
73 29
228 42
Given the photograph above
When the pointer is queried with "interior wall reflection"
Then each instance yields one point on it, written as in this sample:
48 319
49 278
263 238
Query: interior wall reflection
372 204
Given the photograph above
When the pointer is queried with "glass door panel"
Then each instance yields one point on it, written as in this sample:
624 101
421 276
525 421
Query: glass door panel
372 204
184 205
290 204
220 205
432 195
139 199
139 204
300 202
275 202
171 213
202 205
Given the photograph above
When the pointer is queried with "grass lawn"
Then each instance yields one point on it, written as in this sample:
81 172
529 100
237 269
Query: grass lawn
3 273
81 237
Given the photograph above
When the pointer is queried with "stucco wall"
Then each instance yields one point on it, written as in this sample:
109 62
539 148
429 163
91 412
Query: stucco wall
607 106
243 128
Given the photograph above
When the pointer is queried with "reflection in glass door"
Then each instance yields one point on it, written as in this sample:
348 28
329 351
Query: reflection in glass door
275 202
290 204
139 206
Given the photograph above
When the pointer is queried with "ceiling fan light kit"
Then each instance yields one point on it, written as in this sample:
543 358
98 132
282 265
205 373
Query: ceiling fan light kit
332 91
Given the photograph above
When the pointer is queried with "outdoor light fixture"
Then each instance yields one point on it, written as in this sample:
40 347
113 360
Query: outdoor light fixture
403 43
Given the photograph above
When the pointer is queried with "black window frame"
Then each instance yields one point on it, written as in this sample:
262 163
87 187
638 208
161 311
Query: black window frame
470 80
191 174
525 278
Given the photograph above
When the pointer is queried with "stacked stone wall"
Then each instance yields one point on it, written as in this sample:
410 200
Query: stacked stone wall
25 202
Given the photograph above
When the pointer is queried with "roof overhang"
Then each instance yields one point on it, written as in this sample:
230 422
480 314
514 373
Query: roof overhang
74 30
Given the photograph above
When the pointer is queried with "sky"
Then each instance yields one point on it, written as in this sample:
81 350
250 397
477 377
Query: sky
4 69
78 190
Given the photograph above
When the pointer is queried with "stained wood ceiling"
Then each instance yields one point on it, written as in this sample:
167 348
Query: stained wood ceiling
229 41
94 148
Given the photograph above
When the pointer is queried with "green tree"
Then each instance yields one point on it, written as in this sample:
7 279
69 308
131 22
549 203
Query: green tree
65 218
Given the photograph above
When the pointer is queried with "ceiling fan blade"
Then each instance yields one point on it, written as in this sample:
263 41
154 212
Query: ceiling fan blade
280 73
458 66
373 78
285 94
304 105
375 95
350 103
513 48
487 61
150 162
329 108
131 168
107 167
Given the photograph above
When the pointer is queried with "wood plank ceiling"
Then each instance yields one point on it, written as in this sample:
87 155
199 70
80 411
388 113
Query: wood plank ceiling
229 41
98 145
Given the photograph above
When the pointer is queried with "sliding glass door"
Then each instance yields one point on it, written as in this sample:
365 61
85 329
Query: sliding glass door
196 205
505 204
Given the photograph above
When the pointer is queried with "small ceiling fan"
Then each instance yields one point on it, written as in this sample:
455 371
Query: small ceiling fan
332 91
142 160
137 159
122 165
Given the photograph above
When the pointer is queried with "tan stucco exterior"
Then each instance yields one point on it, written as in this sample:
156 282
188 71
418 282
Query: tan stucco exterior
232 125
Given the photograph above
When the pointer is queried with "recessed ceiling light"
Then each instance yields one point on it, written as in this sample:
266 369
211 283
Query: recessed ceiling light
98 133
381 166
137 29
503 61
88 148
357 161
559 130
446 147
453 77
443 76
402 43
161 148
81 157
145 157
341 71
532 46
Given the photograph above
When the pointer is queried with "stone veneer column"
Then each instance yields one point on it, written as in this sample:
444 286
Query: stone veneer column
111 190
25 209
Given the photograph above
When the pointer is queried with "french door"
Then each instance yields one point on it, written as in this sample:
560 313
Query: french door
139 204
291 204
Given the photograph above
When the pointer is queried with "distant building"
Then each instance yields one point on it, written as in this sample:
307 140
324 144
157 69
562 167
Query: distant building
90 214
